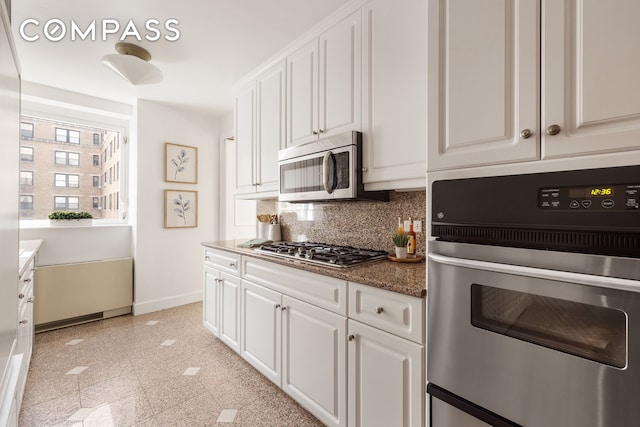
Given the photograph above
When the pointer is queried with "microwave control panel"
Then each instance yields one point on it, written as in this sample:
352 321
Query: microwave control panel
591 198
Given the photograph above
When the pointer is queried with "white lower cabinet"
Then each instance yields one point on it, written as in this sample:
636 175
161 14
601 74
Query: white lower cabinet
359 364
314 360
221 308
261 337
299 347
386 381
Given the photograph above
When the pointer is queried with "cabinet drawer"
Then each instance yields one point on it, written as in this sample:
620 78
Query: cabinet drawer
322 291
399 314
222 260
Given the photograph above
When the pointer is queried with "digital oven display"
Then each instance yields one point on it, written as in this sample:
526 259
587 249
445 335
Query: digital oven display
599 191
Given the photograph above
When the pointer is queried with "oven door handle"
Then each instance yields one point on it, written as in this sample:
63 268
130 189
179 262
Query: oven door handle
540 273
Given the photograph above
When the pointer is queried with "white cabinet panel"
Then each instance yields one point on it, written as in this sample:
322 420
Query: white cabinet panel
386 379
211 305
314 360
591 65
302 94
394 94
261 339
245 134
483 82
230 311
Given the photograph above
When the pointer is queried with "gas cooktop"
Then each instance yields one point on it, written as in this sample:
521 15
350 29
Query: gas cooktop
322 254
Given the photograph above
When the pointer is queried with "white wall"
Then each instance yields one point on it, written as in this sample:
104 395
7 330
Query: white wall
168 262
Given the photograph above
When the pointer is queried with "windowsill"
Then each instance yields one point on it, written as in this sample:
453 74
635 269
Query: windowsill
44 223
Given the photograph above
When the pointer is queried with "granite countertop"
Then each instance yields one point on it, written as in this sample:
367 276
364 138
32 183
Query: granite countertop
405 278
27 250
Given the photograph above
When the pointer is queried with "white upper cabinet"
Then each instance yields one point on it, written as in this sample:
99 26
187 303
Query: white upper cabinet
482 82
324 83
394 94
591 84
260 109
270 90
488 102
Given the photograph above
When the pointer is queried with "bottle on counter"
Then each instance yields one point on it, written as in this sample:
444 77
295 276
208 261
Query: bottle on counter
400 226
411 244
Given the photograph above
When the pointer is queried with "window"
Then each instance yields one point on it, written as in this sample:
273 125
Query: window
26 202
67 158
66 202
67 135
64 154
26 130
26 178
26 154
65 180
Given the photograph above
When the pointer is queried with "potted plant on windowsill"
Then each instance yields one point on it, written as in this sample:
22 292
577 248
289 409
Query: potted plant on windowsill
400 241
73 218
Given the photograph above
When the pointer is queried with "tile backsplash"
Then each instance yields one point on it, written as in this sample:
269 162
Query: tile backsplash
360 224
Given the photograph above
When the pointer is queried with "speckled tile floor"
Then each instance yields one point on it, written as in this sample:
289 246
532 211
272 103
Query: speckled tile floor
159 369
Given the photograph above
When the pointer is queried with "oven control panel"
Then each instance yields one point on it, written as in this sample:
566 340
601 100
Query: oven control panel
590 198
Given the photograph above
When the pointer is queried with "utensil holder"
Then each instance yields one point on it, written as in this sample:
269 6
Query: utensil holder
263 230
274 232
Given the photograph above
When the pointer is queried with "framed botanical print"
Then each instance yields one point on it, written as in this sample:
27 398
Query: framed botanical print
180 209
180 163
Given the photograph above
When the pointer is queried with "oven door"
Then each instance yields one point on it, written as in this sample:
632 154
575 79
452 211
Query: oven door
326 175
538 347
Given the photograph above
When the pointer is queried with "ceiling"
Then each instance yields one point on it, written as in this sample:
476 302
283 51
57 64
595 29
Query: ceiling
220 41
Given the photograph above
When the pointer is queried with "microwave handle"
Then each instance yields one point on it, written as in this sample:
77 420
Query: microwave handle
327 170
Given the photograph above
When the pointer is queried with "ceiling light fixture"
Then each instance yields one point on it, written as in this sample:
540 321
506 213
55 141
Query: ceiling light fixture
132 64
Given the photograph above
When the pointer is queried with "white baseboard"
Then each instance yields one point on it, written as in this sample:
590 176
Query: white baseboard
145 307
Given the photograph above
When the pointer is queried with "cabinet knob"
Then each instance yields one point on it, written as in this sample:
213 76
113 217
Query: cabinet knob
20 296
526 134
379 310
31 299
207 258
28 280
321 130
553 130
315 132
365 170
351 337
278 306
284 308
24 321
232 264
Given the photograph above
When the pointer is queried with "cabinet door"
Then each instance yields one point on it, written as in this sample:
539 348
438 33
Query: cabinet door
230 311
261 335
244 116
591 65
483 82
386 379
270 125
211 301
314 360
394 94
340 76
302 94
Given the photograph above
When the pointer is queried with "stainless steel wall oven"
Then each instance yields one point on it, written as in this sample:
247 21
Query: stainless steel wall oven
534 300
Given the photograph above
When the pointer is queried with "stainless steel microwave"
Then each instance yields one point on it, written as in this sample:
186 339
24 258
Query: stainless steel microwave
325 170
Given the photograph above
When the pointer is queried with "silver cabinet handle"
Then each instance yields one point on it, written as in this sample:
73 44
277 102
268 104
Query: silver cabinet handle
207 258
232 264
321 131
284 308
315 132
526 134
351 337
553 130
379 310
278 306
20 296
27 280
31 299
24 321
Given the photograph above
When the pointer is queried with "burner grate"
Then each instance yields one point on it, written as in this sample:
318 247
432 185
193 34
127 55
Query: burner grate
322 253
